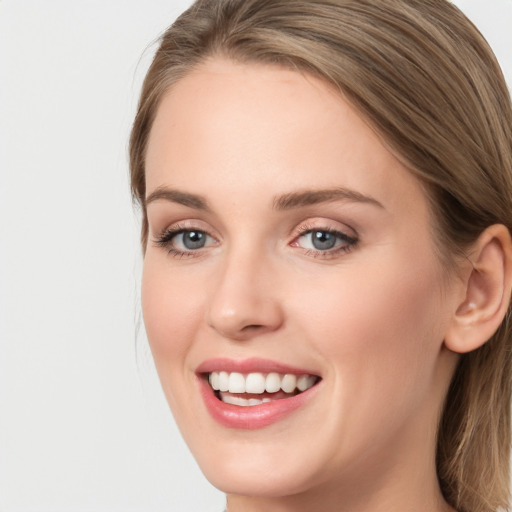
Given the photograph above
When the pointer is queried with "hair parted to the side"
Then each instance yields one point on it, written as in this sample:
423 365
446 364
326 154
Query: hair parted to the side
426 80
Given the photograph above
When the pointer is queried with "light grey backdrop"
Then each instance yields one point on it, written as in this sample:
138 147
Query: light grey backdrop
83 424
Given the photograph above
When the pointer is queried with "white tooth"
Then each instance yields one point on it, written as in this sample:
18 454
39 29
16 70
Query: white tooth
255 383
273 383
235 400
289 383
243 402
305 382
214 380
236 383
266 400
223 381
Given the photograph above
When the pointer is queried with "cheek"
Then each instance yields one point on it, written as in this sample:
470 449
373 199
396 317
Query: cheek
381 328
170 309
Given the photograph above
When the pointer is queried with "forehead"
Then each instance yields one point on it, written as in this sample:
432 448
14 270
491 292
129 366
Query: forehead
240 106
252 126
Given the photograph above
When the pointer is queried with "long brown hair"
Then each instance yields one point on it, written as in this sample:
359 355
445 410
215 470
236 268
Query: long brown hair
424 77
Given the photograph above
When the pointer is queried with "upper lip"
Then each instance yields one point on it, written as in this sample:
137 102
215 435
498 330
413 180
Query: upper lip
251 365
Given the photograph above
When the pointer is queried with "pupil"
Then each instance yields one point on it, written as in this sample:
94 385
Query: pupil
323 240
194 239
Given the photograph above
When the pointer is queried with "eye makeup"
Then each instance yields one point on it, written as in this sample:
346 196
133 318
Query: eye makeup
323 242
185 241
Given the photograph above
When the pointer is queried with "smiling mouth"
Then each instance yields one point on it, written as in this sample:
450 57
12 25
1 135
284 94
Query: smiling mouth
251 389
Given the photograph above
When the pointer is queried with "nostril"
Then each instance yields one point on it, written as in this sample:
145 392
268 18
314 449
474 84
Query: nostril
252 327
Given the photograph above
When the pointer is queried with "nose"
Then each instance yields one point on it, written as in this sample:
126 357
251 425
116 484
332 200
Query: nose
244 303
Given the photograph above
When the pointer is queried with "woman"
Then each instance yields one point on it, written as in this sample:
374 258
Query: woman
326 190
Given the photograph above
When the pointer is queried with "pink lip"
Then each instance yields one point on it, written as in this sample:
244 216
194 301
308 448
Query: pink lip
257 416
248 366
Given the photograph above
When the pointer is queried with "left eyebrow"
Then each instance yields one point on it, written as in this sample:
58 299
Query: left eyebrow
179 197
311 197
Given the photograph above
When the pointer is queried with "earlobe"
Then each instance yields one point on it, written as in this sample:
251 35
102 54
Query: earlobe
488 288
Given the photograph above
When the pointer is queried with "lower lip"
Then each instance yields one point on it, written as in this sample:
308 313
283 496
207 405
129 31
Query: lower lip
252 417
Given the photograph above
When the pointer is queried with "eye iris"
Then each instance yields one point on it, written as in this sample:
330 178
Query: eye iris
323 240
194 239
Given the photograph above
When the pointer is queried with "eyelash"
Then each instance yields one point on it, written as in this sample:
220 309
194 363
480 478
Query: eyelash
166 238
349 243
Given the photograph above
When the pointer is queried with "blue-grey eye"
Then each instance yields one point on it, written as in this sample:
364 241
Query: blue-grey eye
181 242
323 240
193 239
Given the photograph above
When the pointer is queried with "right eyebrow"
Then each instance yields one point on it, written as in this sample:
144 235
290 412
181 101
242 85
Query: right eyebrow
176 196
310 197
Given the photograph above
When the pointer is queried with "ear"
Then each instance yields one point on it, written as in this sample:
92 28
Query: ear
488 287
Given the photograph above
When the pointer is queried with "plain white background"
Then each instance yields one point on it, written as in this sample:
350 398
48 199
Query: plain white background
83 423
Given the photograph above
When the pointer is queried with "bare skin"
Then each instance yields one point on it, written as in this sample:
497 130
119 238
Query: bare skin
239 154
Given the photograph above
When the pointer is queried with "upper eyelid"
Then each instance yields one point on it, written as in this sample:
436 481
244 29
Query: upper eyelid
339 233
308 229
170 233
350 243
323 224
299 228
185 225
166 241
316 224
167 236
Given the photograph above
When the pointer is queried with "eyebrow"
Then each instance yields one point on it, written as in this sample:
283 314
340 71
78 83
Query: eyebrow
176 196
311 197
283 202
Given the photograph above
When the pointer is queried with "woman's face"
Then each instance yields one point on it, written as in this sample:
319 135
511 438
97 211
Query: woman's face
290 250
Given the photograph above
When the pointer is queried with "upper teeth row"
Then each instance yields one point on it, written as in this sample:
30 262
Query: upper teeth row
259 383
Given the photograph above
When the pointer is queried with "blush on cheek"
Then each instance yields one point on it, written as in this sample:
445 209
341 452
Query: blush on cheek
165 326
383 334
407 347
158 313
171 315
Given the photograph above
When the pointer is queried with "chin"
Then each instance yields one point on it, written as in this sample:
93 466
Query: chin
257 478
270 462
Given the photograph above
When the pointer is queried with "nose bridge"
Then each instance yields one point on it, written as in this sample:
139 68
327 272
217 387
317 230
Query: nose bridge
243 302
